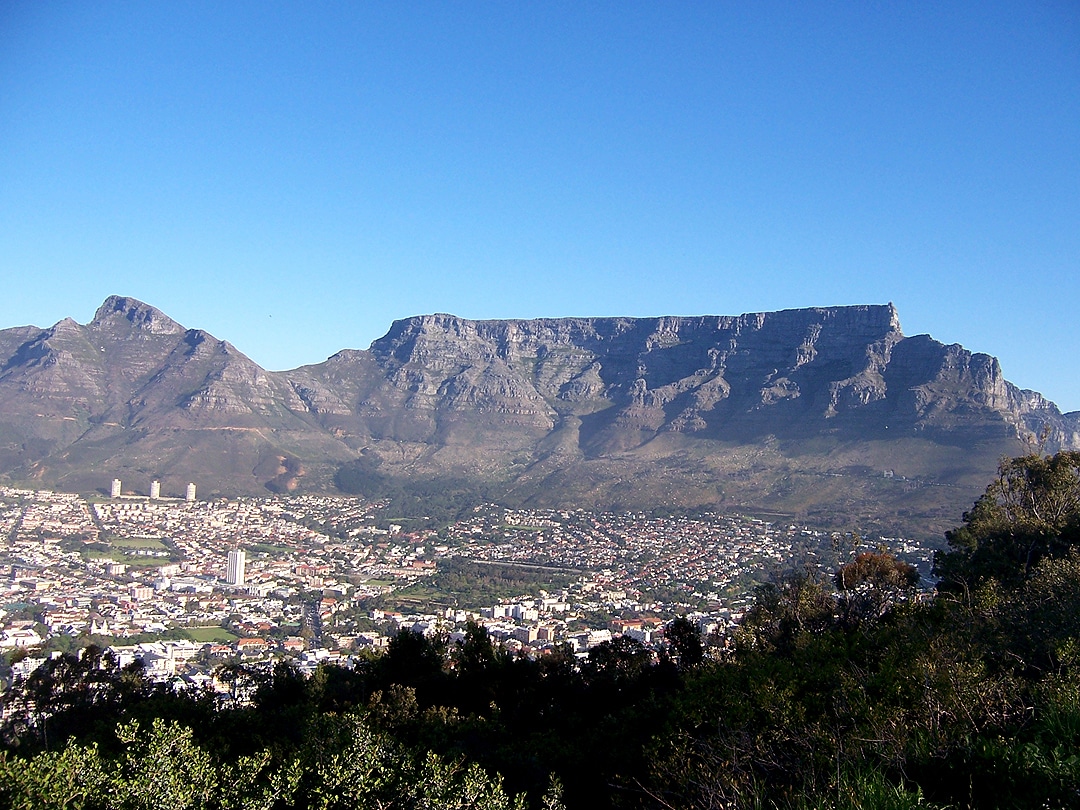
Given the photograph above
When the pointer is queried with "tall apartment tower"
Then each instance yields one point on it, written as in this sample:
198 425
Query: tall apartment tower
189 496
155 490
235 573
114 490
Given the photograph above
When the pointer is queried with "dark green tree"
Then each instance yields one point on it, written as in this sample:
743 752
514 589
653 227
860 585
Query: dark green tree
622 659
685 642
797 602
81 695
413 659
474 654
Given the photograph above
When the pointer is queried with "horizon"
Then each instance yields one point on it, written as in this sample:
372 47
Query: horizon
293 180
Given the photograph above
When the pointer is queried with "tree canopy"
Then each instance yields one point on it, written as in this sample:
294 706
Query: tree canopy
1030 511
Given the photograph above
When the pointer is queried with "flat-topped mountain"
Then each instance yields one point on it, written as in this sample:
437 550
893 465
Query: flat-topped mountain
824 412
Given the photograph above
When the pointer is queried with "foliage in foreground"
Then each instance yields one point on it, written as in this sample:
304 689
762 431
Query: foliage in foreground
342 764
841 692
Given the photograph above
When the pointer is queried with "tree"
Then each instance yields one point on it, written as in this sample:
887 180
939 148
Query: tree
1029 512
621 659
474 654
241 682
559 662
285 687
69 779
72 695
1039 624
685 641
872 583
797 602
413 659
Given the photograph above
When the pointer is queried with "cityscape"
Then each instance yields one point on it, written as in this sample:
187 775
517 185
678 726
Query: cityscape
186 585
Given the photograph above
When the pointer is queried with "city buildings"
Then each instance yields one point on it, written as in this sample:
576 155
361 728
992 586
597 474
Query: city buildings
131 566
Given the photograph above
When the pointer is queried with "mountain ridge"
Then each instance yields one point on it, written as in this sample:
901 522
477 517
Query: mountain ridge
811 412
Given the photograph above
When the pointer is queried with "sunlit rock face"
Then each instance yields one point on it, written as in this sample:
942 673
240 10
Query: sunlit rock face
806 411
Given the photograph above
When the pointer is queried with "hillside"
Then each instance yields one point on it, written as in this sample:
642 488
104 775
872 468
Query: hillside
823 414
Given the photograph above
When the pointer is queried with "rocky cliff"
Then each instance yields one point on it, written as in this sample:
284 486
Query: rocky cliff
812 412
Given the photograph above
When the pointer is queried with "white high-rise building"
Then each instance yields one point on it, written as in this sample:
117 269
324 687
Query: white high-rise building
190 494
155 490
235 573
114 490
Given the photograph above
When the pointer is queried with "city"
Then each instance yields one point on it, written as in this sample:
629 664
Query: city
186 585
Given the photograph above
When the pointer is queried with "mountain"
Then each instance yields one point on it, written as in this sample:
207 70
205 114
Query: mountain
824 414
134 394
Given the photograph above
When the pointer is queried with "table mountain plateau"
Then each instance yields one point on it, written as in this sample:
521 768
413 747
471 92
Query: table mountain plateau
827 414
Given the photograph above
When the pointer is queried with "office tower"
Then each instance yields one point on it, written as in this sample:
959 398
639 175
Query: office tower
190 494
155 490
235 573
114 490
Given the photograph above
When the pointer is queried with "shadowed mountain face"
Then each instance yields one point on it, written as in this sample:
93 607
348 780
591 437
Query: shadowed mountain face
820 413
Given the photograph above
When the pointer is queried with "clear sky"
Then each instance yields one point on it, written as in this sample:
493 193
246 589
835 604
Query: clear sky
292 177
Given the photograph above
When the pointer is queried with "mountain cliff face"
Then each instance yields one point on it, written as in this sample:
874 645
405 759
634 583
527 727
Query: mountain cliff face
812 412
134 394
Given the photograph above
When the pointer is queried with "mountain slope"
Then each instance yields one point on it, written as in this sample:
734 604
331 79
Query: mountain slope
819 413
814 412
134 394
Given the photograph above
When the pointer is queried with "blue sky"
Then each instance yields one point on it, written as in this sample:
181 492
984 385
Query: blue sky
293 177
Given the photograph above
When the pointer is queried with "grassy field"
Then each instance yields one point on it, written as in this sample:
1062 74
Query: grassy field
119 555
149 543
471 585
270 548
138 552
210 634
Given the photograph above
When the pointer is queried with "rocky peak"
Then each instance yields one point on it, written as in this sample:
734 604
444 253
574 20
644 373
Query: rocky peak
129 313
65 328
